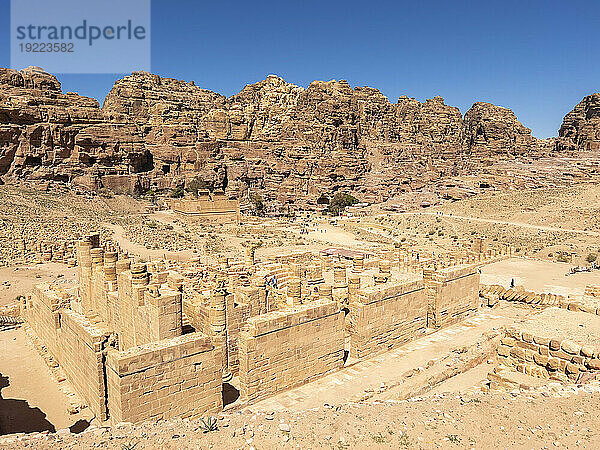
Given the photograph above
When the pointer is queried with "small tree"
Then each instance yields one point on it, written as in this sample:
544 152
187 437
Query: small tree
340 201
177 192
257 203
197 184
591 257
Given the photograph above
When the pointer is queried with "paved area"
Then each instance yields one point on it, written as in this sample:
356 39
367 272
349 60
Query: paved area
352 382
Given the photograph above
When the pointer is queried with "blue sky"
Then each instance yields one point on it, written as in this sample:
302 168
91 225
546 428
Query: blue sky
538 58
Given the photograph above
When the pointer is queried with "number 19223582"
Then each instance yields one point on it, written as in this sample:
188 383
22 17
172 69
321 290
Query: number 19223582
47 47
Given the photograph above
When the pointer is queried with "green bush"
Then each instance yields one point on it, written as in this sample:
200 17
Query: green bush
177 192
340 201
257 203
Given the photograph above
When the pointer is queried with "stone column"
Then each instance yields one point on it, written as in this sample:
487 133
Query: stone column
218 326
294 291
358 264
140 278
325 292
353 288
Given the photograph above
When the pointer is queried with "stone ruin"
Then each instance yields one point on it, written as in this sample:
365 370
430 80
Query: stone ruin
208 207
153 340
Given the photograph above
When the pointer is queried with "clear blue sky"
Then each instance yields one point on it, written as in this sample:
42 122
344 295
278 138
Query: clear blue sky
538 58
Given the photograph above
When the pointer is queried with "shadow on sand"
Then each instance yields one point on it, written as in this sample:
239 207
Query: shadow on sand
16 416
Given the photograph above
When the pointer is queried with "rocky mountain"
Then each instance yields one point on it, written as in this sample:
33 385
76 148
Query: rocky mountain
282 140
580 129
494 129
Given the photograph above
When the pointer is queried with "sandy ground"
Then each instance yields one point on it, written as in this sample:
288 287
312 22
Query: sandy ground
538 276
22 279
501 222
483 421
143 252
30 399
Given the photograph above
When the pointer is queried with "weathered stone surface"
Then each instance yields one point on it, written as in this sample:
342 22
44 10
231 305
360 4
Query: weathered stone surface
494 129
283 140
580 129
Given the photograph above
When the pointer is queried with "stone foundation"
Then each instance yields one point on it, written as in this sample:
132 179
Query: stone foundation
557 344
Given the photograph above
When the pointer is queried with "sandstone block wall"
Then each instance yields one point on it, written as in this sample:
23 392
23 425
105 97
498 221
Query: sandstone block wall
287 348
554 345
174 377
382 318
589 303
73 341
454 294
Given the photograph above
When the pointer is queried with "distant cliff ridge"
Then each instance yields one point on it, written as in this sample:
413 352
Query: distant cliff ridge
283 140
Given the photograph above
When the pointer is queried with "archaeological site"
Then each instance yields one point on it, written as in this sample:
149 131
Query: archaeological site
304 264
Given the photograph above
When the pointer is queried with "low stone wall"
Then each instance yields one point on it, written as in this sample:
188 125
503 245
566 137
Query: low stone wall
287 348
557 344
454 294
588 303
174 377
73 341
382 318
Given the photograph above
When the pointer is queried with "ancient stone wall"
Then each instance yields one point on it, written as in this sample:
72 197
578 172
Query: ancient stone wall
73 341
384 317
560 345
454 294
170 378
215 208
287 348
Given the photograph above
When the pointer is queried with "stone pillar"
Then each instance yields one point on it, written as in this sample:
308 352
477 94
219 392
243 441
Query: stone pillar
250 253
294 291
340 286
314 274
325 292
385 267
262 304
358 264
218 326
297 270
353 288
140 278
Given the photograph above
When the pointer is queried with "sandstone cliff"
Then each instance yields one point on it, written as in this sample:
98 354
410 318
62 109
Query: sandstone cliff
283 140
494 129
580 129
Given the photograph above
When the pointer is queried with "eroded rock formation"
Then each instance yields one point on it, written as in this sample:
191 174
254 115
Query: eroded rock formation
275 137
494 129
580 129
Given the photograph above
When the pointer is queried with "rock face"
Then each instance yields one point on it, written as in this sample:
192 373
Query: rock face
285 141
580 129
494 129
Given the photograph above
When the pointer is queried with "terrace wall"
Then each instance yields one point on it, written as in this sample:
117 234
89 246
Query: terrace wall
454 295
174 377
287 348
384 317
74 342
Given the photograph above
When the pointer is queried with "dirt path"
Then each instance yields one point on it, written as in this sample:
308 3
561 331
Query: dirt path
495 221
139 250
